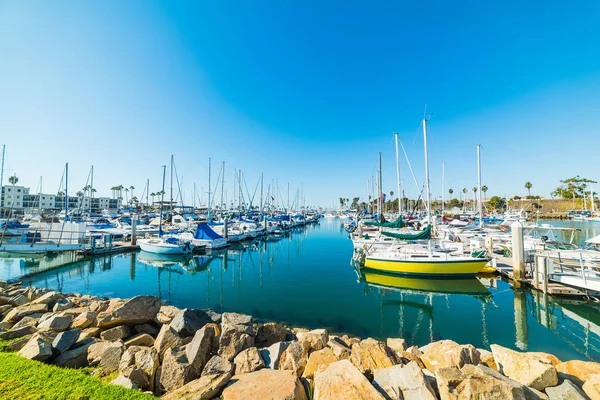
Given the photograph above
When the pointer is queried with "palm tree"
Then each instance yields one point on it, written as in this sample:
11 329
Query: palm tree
450 191
484 189
465 197
13 180
152 195
528 186
474 196
131 187
126 191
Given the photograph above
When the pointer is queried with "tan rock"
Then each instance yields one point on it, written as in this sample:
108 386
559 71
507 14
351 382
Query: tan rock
176 371
403 382
398 345
232 341
484 383
142 339
578 371
295 357
342 380
146 359
84 320
316 339
270 333
265 384
116 333
138 310
350 341
369 354
339 348
531 370
56 323
591 387
15 314
94 354
487 358
166 314
318 361
90 333
247 361
551 357
447 353
36 349
206 387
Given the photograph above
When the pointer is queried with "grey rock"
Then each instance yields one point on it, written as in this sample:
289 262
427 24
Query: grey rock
65 340
36 349
138 310
187 321
111 356
124 382
167 338
137 376
25 321
15 333
146 328
15 314
198 351
84 320
403 382
146 359
62 305
248 360
57 323
142 339
565 391
176 371
76 357
240 322
18 344
217 366
18 300
48 298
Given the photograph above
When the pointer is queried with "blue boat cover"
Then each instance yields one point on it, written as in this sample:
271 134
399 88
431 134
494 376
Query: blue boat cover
204 232
171 240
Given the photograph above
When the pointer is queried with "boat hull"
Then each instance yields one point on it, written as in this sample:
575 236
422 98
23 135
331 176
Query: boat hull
466 267
161 248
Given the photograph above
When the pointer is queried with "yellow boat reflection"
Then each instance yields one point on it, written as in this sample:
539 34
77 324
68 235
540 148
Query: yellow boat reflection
437 285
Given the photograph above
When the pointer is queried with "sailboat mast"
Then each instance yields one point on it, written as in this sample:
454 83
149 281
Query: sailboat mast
162 201
380 201
479 205
261 192
66 190
443 188
2 176
592 196
427 172
171 185
147 192
221 206
92 189
398 177
209 214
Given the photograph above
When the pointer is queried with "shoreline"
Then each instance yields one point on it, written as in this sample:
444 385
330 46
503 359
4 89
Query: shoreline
190 353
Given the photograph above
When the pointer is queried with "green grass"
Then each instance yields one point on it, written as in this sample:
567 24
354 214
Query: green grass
21 378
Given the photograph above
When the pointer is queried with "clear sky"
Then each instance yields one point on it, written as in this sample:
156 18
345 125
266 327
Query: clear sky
307 92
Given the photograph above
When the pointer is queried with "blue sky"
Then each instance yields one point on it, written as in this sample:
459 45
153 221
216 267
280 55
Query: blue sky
306 92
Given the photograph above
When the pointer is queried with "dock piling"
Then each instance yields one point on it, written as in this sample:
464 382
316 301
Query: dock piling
517 250
133 231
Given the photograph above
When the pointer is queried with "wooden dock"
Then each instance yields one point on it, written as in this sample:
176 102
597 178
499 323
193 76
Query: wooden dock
504 267
116 248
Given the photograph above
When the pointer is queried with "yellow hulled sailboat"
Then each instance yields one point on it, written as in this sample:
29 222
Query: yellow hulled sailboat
425 263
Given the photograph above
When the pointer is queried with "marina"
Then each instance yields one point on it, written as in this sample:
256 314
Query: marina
306 279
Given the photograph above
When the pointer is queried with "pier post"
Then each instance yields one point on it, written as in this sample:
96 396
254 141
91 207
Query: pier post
133 230
489 244
225 229
517 250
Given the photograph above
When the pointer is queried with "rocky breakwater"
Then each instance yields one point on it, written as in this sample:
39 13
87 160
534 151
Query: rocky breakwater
199 354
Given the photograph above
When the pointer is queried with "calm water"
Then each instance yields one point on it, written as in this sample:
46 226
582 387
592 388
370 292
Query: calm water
307 280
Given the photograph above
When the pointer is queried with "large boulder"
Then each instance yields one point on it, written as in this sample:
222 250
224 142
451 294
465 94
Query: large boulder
124 382
265 384
369 355
56 323
578 371
138 310
146 359
342 380
248 360
272 354
36 349
95 351
198 351
76 357
65 340
447 353
397 344
478 382
111 356
17 332
15 314
214 377
48 298
187 321
295 357
531 370
232 341
239 322
116 333
166 339
403 383
565 391
318 361
176 371
315 340
270 333
84 320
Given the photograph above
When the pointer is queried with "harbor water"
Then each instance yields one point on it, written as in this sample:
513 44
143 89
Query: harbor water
305 279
